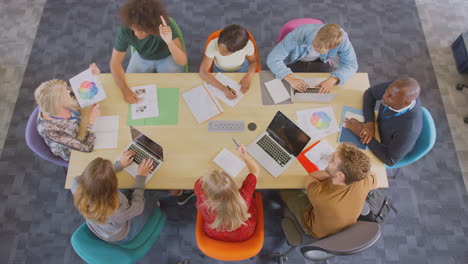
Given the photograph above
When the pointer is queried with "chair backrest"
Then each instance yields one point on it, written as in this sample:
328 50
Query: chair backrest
352 240
215 35
232 251
293 24
96 251
36 142
424 143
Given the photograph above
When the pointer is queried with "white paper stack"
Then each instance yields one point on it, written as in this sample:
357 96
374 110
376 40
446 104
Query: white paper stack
202 103
148 104
229 162
106 129
277 91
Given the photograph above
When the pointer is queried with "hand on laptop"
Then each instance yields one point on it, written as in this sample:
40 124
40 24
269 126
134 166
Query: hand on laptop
126 158
325 86
145 167
297 84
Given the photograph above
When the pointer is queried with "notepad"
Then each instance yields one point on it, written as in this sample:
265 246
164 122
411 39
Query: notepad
229 162
277 91
202 103
106 130
220 94
319 154
347 135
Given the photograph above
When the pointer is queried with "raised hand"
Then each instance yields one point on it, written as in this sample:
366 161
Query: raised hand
94 69
165 31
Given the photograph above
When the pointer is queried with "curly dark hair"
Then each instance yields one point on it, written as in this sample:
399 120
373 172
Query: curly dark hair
144 15
234 37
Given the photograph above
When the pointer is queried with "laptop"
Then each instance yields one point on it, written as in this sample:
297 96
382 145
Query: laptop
277 147
144 148
311 95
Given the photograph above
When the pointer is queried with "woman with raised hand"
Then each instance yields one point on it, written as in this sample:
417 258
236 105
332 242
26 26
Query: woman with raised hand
59 118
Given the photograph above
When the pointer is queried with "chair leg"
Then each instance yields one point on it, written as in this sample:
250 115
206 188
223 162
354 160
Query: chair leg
282 258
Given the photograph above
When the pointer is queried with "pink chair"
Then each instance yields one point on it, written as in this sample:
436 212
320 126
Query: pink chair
291 25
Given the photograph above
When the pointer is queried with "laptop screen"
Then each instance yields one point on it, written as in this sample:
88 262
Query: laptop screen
287 134
146 143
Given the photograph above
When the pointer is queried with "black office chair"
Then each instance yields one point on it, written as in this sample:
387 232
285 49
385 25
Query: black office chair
355 239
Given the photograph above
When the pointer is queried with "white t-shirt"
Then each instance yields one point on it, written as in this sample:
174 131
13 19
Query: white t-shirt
313 55
231 62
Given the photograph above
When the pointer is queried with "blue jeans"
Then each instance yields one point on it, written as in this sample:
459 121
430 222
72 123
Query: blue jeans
243 68
139 65
138 222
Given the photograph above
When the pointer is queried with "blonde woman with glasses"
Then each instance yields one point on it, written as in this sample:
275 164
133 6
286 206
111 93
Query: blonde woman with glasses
59 118
229 213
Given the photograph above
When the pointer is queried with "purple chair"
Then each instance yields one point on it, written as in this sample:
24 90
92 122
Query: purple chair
291 25
37 144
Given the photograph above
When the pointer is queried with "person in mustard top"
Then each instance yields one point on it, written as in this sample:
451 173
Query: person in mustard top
333 198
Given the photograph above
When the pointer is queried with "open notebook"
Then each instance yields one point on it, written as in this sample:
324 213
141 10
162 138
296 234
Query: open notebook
202 103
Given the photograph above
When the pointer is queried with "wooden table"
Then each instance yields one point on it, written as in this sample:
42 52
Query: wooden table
189 148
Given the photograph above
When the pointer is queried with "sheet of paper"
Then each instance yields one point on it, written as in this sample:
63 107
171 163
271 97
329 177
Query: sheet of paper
106 129
148 105
317 122
87 88
168 107
220 94
350 115
319 154
277 90
202 104
312 82
229 162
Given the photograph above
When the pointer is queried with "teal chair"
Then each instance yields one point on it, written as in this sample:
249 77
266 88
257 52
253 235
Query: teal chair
181 38
94 250
424 144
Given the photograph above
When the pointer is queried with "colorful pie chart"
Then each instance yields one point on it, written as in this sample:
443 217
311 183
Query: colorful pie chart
320 120
87 90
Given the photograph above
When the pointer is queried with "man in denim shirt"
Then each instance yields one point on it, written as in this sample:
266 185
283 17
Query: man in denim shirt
314 43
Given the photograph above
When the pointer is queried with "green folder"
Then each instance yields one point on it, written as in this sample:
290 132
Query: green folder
168 103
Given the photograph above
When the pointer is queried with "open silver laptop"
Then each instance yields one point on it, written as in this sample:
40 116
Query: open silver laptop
311 95
277 147
144 148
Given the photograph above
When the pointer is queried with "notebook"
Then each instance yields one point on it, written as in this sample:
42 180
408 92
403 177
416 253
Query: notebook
229 162
347 135
202 103
277 91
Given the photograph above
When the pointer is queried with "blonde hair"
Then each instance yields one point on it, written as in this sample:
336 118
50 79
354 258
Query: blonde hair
49 96
224 200
328 37
97 196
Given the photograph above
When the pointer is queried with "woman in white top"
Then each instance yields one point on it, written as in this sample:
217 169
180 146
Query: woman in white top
232 51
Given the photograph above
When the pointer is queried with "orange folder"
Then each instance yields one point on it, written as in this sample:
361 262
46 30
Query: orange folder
306 163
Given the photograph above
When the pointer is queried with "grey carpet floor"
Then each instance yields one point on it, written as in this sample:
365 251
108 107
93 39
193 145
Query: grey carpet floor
37 216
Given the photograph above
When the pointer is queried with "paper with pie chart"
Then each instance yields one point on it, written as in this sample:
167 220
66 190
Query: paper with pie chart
317 122
87 88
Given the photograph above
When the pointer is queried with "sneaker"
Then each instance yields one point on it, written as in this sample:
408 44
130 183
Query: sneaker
185 196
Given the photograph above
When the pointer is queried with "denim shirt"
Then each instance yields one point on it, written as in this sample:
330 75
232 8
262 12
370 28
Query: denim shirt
298 43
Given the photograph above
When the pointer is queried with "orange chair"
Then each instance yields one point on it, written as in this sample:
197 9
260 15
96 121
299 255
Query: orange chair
216 35
232 251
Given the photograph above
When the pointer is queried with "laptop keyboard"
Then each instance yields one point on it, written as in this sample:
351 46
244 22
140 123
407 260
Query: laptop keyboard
141 155
312 90
273 150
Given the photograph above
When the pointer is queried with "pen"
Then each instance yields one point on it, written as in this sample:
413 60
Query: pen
235 142
232 90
